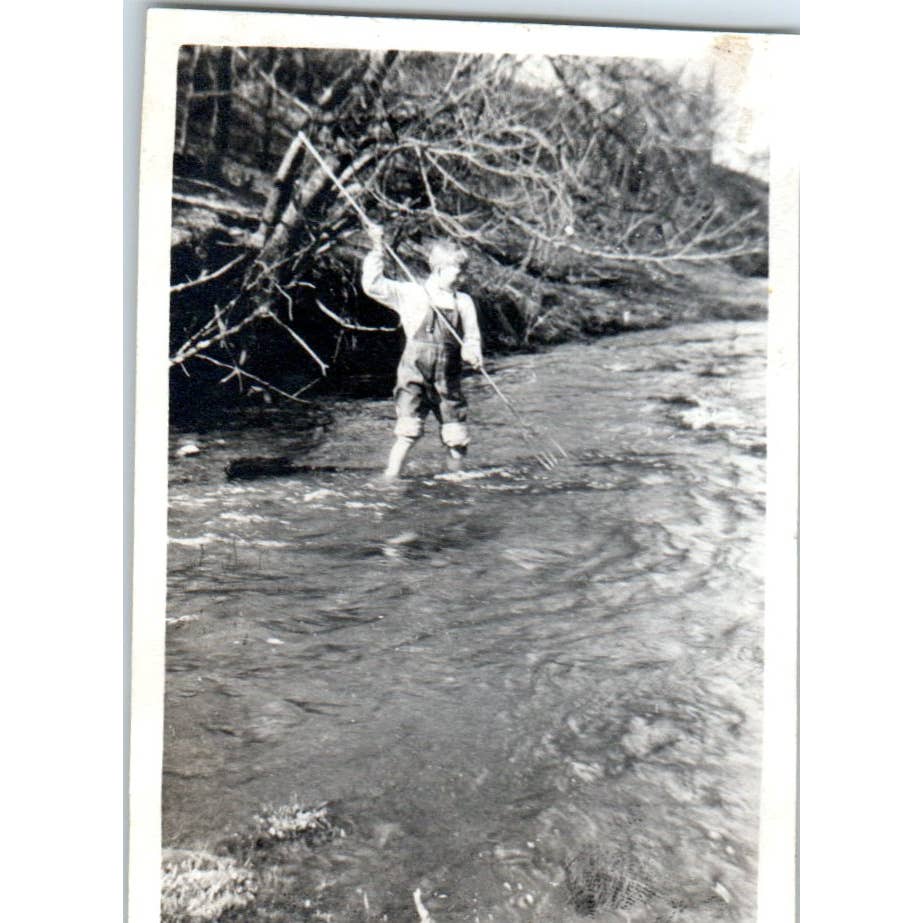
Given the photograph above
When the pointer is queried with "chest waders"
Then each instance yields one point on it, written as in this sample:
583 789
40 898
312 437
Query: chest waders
429 379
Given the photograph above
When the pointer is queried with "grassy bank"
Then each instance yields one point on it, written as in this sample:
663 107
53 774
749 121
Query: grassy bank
256 873
284 868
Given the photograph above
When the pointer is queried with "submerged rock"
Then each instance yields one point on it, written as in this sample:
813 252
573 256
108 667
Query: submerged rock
597 879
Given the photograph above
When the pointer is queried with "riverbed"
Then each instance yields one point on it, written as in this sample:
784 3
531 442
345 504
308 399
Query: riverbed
512 682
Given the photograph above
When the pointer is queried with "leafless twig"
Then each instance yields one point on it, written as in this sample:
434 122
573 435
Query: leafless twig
182 286
348 324
222 208
265 384
323 365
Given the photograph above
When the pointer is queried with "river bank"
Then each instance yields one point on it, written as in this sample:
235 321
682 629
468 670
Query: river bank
529 695
519 311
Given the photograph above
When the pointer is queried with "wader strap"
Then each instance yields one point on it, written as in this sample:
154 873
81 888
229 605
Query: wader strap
432 318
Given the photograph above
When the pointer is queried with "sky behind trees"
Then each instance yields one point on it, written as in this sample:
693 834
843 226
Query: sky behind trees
740 68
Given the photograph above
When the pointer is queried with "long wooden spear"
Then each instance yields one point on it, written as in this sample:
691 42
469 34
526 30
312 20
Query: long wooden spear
545 457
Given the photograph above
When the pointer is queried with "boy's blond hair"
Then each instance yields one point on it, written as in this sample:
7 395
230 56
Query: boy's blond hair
446 253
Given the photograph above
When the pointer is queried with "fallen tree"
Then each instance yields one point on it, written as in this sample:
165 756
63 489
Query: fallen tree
578 189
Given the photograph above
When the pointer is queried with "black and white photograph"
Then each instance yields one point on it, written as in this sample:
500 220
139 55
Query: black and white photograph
466 452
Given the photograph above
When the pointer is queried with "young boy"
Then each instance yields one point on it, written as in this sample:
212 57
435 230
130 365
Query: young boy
429 374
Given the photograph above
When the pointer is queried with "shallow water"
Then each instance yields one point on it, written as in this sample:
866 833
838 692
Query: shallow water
495 674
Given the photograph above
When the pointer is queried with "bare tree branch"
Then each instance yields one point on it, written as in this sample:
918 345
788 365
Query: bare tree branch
182 286
349 325
222 208
320 362
265 384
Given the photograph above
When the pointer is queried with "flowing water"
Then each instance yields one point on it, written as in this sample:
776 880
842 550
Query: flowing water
516 685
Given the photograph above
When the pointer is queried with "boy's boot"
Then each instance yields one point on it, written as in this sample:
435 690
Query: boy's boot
455 458
402 445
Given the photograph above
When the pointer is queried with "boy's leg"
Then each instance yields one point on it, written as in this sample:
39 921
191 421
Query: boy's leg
410 411
396 457
455 457
452 412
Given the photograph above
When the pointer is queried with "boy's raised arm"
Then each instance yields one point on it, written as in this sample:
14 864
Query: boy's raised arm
374 282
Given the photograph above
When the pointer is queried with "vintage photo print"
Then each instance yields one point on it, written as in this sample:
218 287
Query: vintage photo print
464 567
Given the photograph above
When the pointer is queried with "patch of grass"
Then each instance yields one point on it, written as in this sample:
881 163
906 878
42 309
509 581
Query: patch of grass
249 872
197 885
296 822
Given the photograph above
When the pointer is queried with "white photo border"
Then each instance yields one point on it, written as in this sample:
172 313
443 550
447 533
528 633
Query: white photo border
167 31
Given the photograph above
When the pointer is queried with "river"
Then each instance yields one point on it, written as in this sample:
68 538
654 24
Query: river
514 684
